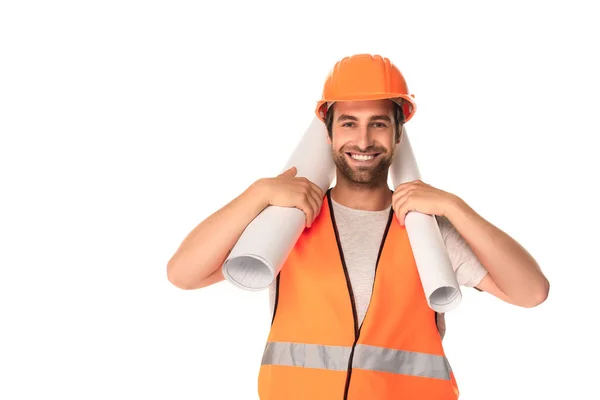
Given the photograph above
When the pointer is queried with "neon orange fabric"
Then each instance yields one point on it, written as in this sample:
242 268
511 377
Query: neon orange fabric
366 77
314 306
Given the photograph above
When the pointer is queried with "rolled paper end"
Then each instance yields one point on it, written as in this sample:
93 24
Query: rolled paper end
248 272
445 298
267 241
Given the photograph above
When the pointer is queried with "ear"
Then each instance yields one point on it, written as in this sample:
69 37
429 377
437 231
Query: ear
327 136
400 135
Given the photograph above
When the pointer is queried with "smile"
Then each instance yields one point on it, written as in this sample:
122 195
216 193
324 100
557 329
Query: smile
362 157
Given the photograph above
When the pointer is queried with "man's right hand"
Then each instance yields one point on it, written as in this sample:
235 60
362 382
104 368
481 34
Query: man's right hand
199 259
287 190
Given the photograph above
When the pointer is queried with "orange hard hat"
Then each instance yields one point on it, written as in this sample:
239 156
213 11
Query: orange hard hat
366 77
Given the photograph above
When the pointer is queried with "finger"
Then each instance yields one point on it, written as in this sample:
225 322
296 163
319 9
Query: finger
403 207
313 193
403 191
314 204
405 186
292 171
307 212
304 203
317 194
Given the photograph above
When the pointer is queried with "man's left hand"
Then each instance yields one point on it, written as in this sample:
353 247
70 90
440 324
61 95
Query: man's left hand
421 197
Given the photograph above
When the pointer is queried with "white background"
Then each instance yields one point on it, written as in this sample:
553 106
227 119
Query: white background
124 124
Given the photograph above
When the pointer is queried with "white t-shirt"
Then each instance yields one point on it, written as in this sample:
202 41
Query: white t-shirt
361 233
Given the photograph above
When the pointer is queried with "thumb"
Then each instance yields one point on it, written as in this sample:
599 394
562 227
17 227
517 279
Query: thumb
289 172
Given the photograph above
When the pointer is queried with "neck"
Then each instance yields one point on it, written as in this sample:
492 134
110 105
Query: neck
359 196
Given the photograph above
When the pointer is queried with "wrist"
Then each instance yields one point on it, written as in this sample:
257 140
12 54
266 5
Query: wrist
257 195
455 207
459 213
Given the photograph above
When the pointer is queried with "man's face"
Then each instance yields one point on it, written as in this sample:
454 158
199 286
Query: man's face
363 141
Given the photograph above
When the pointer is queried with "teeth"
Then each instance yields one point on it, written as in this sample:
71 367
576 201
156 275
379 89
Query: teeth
361 157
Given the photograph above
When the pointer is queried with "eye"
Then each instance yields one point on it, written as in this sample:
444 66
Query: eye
379 125
348 124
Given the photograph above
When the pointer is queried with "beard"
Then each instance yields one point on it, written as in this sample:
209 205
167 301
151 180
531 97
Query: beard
370 175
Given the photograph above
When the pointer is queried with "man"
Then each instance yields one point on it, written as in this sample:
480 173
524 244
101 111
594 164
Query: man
350 319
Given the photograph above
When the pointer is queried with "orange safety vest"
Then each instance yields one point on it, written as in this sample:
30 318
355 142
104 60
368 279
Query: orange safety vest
316 350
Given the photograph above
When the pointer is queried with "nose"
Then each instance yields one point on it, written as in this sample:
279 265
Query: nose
365 138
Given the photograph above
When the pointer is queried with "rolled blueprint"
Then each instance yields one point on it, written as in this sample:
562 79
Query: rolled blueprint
265 244
431 257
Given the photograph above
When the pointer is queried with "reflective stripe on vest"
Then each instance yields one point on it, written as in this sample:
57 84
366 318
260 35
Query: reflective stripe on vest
366 357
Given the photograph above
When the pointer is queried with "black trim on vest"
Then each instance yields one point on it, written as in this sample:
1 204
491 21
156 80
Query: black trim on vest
385 233
357 329
341 252
276 298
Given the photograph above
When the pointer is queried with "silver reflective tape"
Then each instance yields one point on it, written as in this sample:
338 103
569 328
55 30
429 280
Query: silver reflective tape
400 362
366 357
307 355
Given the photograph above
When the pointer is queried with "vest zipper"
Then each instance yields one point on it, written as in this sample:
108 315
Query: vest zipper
349 284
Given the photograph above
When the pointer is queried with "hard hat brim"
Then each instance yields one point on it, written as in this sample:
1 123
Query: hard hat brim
406 102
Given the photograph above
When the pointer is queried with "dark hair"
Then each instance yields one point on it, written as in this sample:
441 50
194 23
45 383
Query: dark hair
398 118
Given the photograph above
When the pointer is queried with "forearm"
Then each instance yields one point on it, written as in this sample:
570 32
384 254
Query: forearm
206 247
511 267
